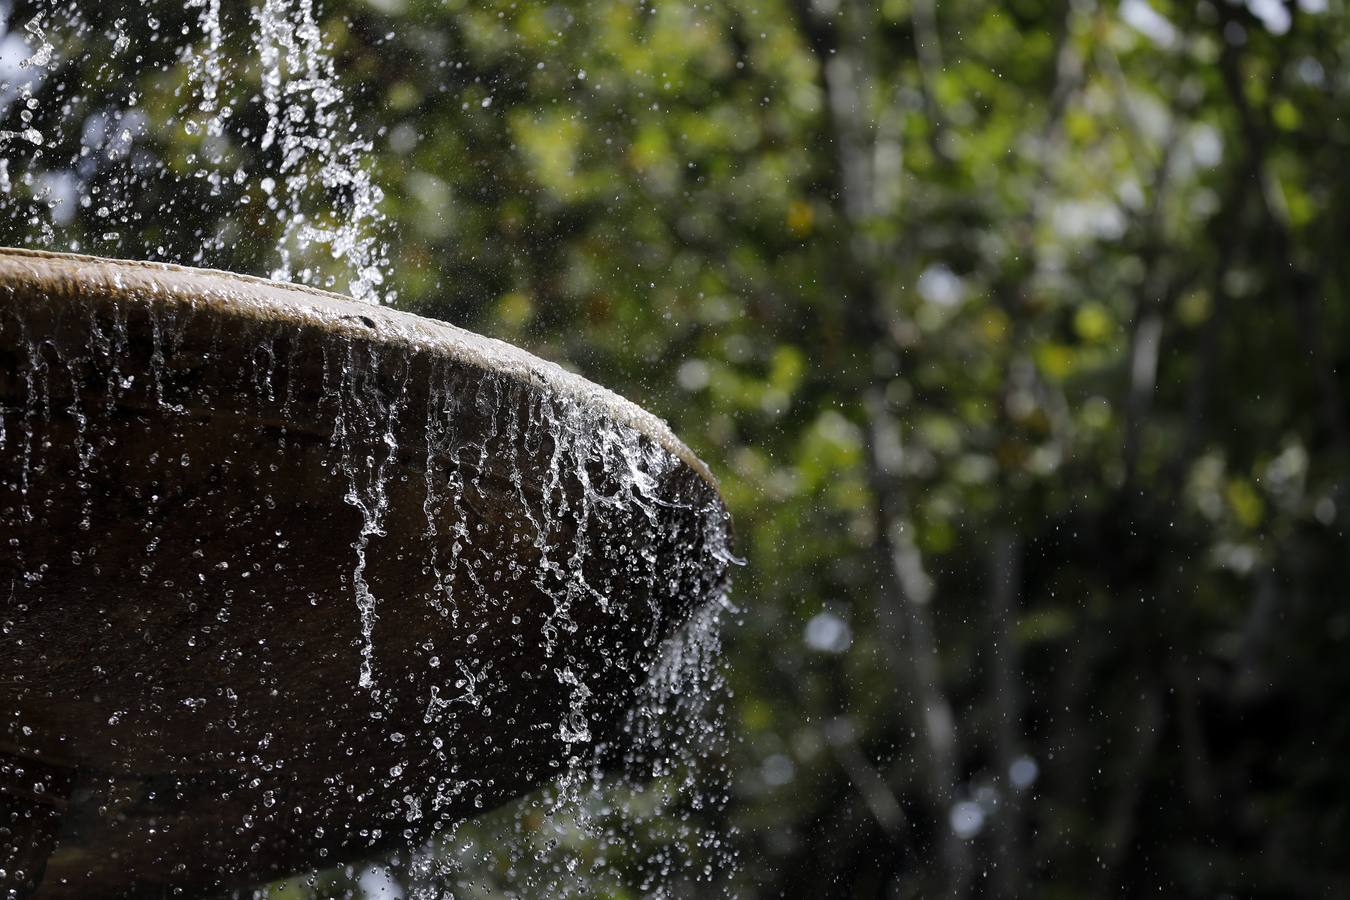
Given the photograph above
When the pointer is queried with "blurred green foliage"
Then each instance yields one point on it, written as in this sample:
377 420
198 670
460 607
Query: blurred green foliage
1018 335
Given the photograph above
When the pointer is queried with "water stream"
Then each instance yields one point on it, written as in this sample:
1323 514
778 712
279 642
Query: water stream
263 93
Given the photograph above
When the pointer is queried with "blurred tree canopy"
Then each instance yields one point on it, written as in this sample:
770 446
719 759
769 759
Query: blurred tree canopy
1017 333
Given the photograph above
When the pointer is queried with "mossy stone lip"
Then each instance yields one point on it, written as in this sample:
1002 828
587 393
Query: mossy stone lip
186 458
71 274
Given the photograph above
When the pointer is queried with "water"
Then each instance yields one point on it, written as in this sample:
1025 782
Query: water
263 143
307 124
515 567
479 502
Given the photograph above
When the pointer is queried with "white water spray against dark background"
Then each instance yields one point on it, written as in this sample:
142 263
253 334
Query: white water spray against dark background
267 139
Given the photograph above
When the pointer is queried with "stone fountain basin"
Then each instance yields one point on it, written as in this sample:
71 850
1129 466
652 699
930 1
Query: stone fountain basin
191 466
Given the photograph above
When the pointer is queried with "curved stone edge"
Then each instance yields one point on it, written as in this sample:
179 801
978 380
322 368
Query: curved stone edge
69 274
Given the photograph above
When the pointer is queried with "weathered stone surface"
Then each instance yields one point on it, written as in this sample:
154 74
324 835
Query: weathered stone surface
192 465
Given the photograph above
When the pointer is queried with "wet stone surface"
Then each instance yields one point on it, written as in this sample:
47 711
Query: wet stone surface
286 581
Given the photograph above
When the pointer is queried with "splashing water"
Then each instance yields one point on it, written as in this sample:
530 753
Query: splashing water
81 170
562 569
40 59
306 120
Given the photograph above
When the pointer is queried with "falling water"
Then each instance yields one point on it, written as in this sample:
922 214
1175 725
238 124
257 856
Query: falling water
36 63
517 489
306 121
512 488
80 165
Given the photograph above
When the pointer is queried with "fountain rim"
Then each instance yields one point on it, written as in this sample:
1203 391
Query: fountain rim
69 274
